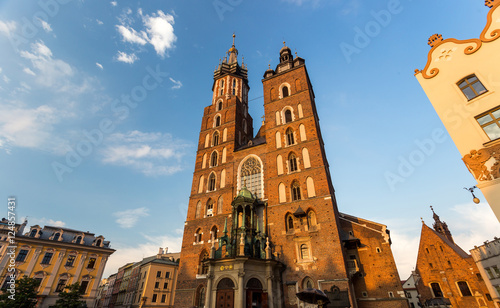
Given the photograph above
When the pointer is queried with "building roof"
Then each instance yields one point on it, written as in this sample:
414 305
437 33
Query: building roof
454 246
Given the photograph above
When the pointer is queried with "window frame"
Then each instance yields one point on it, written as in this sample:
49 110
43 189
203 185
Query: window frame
470 85
494 120
92 262
431 285
72 260
296 191
47 258
463 288
21 257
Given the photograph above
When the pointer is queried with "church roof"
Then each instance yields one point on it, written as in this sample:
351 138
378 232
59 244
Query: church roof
454 246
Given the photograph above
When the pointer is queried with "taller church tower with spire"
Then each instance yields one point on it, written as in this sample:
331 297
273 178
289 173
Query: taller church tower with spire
262 221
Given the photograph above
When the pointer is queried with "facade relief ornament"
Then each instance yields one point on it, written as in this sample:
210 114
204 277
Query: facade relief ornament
477 162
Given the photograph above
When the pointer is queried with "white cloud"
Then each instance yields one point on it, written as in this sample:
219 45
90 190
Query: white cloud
129 218
45 222
160 31
127 58
99 22
45 25
99 65
7 27
149 247
177 84
28 71
130 35
152 154
50 72
6 79
30 127
114 3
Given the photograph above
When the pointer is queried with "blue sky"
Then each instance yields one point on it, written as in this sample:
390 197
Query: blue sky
101 105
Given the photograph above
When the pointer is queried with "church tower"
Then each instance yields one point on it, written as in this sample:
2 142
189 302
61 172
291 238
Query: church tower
262 222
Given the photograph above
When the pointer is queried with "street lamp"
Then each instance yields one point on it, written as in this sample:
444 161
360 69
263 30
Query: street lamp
474 198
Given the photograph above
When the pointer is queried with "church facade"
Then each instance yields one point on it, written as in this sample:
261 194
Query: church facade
262 222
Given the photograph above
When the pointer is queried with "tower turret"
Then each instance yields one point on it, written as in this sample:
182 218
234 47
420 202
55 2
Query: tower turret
441 226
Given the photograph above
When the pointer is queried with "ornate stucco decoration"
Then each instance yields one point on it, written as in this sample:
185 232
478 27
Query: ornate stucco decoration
490 33
484 164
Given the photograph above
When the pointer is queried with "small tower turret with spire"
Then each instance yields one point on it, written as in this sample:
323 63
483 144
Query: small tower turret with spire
441 226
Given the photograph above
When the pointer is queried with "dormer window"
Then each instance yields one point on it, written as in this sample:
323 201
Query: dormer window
78 240
33 232
56 236
471 87
98 243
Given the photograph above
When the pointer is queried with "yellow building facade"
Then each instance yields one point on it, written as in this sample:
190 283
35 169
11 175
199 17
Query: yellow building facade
462 81
56 257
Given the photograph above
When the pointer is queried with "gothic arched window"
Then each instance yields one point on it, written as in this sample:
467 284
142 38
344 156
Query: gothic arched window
296 191
215 139
214 159
217 121
219 105
210 208
289 222
251 176
285 91
288 116
219 205
211 182
234 86
304 251
290 140
198 210
292 161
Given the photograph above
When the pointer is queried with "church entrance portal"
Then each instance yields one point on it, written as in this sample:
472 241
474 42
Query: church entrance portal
225 294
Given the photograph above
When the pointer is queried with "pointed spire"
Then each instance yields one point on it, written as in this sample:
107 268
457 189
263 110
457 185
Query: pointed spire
441 226
233 52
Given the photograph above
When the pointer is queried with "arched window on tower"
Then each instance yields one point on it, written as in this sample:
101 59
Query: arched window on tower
213 233
234 86
203 266
311 220
217 121
198 236
219 205
214 158
289 222
198 210
285 91
210 208
292 162
221 87
288 116
290 139
251 176
211 182
215 139
296 191
219 105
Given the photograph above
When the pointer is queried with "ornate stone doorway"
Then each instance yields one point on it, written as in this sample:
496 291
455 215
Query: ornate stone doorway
256 298
225 294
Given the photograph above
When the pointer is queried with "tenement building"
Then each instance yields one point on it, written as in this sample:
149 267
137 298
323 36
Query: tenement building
262 223
56 257
461 81
487 257
446 274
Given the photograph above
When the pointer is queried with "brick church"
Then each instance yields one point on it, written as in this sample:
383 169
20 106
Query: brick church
262 222
447 275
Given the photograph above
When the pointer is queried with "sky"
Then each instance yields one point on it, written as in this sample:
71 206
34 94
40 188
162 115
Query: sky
101 105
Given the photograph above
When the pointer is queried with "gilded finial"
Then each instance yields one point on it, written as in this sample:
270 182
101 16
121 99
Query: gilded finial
489 3
284 44
296 55
234 35
269 65
435 39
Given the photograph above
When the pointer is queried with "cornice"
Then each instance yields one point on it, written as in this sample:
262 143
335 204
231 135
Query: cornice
487 35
